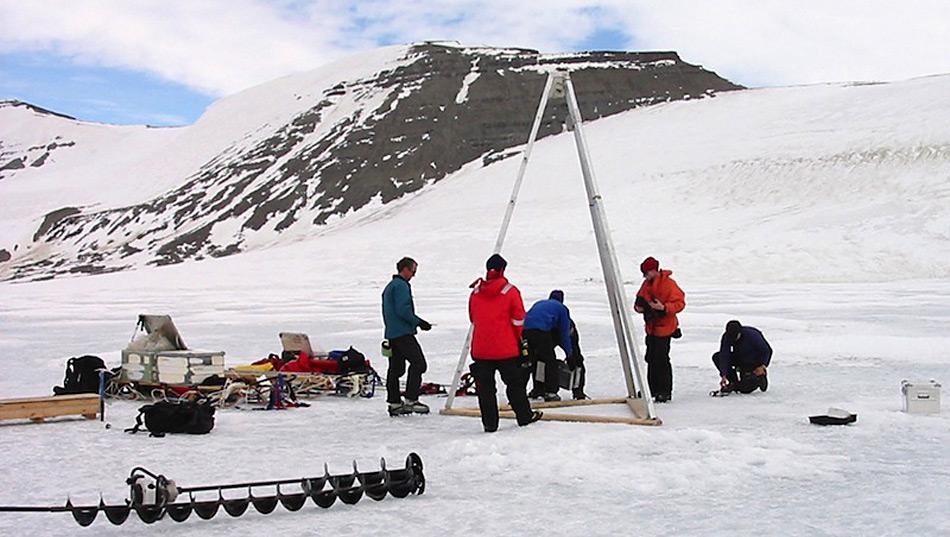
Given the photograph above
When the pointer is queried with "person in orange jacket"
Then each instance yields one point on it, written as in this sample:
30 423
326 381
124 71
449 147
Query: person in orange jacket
659 300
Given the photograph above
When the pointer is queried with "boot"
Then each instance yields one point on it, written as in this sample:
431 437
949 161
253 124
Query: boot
535 416
764 382
399 409
551 397
415 407
579 394
536 393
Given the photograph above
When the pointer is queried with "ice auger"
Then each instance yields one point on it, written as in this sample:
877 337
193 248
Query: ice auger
153 496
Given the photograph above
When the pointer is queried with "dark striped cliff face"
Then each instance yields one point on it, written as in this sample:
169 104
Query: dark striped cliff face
362 143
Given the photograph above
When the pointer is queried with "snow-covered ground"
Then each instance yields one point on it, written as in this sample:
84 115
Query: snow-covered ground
820 215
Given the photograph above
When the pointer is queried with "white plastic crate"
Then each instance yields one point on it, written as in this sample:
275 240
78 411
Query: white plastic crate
921 397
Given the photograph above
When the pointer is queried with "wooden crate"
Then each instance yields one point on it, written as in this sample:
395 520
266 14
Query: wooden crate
39 408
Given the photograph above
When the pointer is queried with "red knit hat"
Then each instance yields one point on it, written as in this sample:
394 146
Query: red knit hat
649 264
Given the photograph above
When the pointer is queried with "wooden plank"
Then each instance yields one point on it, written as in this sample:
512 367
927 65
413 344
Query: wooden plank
578 418
570 403
46 412
637 406
38 408
49 405
70 397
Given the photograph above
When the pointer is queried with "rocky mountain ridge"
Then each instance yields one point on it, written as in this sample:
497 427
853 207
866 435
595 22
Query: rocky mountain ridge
353 145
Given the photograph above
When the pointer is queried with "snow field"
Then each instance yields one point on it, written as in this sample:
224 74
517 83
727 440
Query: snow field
712 463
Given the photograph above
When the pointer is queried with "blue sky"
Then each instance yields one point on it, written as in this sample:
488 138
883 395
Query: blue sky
109 95
162 62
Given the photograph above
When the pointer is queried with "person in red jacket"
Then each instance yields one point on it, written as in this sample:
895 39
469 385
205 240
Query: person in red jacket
497 314
659 300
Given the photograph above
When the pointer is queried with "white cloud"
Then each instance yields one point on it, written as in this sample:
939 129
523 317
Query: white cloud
223 46
216 46
773 42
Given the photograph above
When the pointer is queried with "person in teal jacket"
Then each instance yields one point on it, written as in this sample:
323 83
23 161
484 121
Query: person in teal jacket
400 321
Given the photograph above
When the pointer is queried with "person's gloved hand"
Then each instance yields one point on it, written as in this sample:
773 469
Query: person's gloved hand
424 325
723 382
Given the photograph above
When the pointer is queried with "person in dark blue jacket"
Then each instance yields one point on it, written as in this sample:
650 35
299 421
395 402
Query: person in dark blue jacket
547 323
743 357
400 320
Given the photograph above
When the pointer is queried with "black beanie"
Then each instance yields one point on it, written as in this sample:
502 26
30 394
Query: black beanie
496 262
733 328
557 294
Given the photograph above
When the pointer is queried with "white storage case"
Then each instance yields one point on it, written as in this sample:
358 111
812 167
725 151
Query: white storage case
921 397
161 356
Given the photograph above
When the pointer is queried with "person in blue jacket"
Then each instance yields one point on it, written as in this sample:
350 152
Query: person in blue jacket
400 320
743 357
547 323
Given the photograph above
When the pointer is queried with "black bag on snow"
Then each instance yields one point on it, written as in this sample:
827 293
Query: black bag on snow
352 361
181 417
82 375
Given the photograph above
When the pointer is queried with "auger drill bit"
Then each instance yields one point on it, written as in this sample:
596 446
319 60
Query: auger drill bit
152 496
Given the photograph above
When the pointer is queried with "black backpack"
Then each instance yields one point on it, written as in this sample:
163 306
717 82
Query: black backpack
182 417
82 375
352 361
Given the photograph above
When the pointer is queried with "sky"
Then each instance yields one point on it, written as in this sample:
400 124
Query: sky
162 62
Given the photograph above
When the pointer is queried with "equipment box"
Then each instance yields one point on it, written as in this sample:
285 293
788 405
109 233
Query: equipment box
161 356
921 397
171 367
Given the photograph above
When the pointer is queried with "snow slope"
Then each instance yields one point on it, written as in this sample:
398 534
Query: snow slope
819 214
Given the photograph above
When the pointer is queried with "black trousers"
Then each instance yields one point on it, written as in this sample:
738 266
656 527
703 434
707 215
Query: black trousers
515 378
541 349
740 373
659 369
405 349
583 374
578 358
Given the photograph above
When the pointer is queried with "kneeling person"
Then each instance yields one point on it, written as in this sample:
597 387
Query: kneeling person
743 357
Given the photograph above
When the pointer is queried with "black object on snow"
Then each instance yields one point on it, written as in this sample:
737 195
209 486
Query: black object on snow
835 416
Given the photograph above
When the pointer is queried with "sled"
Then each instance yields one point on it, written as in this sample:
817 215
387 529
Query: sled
307 385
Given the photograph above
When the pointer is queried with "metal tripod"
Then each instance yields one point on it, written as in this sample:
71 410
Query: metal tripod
559 86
